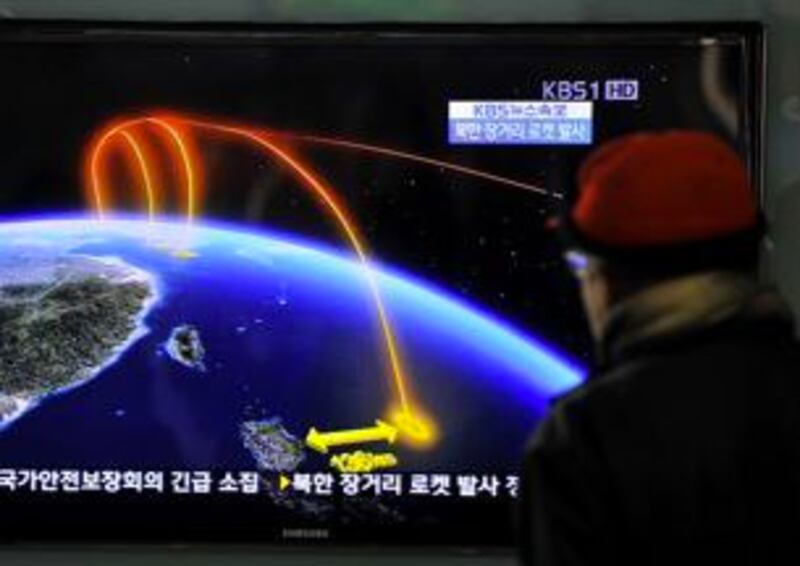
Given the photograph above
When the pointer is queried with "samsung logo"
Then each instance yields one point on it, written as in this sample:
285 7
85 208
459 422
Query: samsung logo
307 534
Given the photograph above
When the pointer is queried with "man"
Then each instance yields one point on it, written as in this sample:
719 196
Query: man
683 446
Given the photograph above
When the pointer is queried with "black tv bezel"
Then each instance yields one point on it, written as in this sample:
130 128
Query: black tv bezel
751 33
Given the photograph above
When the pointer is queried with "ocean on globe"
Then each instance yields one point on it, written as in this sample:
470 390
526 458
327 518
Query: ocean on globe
136 345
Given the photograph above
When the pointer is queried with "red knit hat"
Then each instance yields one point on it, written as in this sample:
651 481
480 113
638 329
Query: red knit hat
662 190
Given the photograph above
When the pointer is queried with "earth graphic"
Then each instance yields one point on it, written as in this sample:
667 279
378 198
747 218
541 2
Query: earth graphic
118 349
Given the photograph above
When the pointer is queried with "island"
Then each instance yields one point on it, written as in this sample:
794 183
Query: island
185 347
273 447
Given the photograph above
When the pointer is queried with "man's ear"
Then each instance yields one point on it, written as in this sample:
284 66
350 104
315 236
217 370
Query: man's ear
596 296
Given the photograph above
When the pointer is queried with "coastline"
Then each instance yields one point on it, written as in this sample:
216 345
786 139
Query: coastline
23 404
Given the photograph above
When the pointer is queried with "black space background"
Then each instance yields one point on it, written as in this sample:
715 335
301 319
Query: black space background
479 240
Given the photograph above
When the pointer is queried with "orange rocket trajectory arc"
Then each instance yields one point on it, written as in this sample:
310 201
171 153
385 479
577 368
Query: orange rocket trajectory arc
144 168
122 129
425 160
406 413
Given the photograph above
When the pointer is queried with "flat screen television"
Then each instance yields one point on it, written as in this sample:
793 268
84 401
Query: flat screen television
292 284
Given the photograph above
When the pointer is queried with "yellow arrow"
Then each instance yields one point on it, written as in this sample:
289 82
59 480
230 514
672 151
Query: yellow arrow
284 483
321 442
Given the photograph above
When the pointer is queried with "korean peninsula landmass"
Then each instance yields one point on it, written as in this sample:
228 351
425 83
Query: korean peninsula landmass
62 320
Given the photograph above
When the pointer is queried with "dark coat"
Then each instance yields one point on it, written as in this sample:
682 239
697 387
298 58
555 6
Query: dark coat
684 448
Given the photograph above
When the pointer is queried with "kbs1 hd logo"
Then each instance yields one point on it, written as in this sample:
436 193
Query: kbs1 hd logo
611 90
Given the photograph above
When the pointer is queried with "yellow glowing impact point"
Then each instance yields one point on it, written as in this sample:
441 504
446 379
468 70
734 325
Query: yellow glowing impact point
321 442
284 483
415 428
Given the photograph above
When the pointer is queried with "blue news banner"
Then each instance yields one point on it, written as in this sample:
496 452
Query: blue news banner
519 122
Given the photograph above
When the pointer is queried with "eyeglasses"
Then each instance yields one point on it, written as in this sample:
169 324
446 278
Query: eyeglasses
578 263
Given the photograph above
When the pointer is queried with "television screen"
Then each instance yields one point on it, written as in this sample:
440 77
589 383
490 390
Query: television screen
293 284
